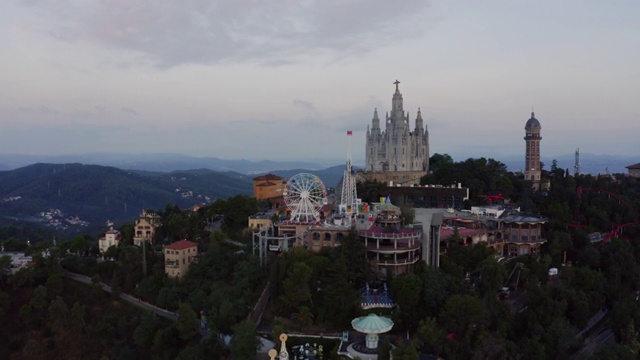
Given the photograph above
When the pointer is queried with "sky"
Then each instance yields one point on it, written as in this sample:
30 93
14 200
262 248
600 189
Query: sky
286 79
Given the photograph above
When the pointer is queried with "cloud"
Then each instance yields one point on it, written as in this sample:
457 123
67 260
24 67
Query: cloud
128 111
169 33
307 105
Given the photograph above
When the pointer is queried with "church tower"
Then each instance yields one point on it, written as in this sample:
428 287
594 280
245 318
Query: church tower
532 138
396 153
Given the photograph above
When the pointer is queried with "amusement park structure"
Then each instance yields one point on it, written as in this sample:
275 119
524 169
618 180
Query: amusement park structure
617 229
349 198
304 195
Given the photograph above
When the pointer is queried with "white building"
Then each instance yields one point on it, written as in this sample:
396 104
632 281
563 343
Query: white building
110 238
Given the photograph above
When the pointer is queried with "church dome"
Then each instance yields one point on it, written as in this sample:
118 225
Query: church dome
533 122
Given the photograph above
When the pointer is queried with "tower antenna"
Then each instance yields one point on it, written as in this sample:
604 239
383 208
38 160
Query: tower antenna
576 166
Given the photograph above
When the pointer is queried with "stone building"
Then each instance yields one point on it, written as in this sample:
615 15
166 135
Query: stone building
634 170
397 153
532 169
145 228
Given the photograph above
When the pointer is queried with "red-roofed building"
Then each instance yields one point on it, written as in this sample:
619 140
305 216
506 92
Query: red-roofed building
268 186
178 256
634 170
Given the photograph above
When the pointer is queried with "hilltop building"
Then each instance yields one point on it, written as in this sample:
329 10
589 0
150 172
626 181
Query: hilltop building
634 170
145 228
268 186
110 238
532 170
522 234
178 256
397 154
509 232
391 247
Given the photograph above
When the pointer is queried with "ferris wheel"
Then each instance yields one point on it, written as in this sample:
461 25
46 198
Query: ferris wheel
304 195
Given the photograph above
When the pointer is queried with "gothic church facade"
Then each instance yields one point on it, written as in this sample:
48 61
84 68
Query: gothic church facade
397 154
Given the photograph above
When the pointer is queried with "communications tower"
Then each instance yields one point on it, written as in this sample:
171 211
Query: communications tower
576 166
349 198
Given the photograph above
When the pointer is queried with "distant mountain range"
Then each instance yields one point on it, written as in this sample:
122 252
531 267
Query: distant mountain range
159 162
590 163
73 195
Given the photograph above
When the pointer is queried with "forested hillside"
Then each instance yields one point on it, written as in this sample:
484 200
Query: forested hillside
98 193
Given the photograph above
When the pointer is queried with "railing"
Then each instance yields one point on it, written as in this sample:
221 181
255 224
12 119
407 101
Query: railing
383 235
398 262
392 247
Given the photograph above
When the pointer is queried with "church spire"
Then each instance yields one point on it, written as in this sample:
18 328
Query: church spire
397 113
419 122
375 122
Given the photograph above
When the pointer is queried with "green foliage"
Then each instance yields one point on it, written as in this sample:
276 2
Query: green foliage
244 344
188 323
482 176
371 191
406 290
384 350
405 351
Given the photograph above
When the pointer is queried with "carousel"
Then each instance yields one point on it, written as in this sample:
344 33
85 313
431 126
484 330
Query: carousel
372 326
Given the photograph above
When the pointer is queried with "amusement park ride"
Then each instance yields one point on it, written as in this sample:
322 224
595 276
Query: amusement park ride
305 195
492 198
617 229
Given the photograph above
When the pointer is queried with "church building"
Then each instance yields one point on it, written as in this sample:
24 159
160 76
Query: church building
397 153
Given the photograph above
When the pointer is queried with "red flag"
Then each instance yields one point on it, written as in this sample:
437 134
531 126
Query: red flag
349 132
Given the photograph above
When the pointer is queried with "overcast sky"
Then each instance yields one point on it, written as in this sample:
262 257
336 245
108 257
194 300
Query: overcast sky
285 80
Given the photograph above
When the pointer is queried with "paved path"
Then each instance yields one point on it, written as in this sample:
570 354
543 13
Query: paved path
126 297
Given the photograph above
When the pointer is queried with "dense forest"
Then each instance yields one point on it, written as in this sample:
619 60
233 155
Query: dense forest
454 312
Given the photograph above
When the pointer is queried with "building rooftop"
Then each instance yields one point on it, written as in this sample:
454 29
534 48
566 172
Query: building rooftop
533 122
268 177
523 218
634 166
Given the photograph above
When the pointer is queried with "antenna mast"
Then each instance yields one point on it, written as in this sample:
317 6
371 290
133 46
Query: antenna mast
576 166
